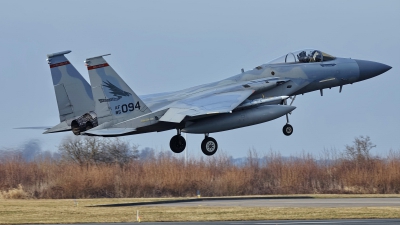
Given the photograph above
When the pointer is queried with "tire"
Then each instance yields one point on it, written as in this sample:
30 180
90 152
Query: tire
209 146
177 144
287 130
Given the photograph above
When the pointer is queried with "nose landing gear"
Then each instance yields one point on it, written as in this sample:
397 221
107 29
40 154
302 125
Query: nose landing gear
287 130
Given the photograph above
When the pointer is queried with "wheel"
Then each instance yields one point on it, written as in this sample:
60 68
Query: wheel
209 146
287 130
177 144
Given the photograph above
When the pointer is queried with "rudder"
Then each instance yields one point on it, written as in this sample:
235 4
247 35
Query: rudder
73 93
114 99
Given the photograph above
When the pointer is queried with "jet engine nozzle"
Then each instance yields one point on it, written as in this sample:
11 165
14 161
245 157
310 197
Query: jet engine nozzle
369 69
85 122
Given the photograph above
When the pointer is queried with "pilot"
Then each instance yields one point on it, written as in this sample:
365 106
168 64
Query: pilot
316 56
303 58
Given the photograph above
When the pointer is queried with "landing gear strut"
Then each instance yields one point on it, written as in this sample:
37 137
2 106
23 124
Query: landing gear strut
177 143
287 129
209 145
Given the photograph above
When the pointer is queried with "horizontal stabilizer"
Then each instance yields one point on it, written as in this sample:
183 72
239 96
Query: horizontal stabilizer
109 132
61 127
33 128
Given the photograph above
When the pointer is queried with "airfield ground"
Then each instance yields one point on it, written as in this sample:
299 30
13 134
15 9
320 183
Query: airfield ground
71 211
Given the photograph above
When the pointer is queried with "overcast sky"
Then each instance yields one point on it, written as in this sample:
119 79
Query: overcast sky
159 46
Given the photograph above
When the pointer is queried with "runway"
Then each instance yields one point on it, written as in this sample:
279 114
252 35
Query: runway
295 202
269 222
312 202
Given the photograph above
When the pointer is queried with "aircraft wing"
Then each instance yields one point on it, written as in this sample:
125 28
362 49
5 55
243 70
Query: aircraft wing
205 104
202 104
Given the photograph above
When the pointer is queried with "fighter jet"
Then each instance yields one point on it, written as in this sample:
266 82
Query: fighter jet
111 108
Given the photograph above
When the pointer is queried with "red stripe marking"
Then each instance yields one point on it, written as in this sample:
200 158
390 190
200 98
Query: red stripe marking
59 64
97 66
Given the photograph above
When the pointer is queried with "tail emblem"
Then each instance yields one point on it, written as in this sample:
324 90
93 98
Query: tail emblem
117 92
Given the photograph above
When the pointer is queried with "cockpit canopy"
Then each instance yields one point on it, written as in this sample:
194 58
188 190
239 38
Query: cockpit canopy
303 56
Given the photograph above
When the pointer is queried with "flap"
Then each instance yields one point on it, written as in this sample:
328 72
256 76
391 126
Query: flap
176 115
205 104
213 103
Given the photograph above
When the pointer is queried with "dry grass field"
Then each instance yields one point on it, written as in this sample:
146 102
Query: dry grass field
169 176
71 211
42 190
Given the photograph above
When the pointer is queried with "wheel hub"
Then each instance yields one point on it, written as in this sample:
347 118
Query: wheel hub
210 146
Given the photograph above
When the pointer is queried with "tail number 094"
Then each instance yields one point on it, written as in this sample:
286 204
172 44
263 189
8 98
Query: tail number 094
127 107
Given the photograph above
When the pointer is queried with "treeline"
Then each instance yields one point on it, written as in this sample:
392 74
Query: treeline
98 168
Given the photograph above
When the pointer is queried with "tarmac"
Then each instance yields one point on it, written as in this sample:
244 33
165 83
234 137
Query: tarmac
317 202
284 201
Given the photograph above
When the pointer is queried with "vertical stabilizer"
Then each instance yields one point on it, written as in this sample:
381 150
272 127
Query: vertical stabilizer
73 92
114 99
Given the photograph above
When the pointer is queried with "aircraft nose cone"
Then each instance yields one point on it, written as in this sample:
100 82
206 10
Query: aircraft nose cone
369 69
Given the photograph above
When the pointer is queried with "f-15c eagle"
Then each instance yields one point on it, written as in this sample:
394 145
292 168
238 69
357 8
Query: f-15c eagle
110 108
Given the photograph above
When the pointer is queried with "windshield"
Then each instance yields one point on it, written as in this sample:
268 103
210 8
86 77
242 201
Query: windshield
303 56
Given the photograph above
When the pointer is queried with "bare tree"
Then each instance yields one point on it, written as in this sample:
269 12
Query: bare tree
117 151
360 151
93 151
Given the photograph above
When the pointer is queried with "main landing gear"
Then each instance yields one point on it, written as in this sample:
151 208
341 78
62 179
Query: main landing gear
209 145
177 143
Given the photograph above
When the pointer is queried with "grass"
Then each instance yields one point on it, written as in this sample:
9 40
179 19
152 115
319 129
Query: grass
66 211
165 175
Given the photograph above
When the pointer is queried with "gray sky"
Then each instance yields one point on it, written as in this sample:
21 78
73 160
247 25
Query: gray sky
160 46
